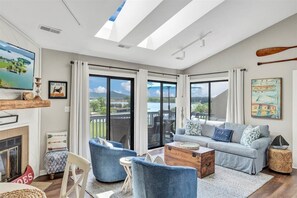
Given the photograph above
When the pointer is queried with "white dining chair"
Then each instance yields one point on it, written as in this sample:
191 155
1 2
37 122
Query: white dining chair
74 161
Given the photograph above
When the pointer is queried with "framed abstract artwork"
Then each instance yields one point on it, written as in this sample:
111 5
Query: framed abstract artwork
267 98
57 89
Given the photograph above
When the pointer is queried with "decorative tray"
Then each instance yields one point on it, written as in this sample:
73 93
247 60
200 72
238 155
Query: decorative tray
189 145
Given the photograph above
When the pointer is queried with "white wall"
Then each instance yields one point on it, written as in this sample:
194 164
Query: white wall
28 117
243 55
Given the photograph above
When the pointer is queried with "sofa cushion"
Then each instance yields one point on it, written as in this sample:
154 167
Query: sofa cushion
234 148
264 130
201 140
237 130
193 127
222 135
249 135
208 128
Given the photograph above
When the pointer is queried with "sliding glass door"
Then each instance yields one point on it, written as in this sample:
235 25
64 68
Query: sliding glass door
111 107
161 113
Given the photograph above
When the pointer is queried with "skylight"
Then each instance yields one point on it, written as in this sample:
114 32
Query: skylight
180 21
128 15
116 13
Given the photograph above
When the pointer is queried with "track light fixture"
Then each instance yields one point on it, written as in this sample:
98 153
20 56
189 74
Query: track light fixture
182 56
182 50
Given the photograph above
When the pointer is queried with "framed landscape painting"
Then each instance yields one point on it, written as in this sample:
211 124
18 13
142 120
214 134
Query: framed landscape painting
266 98
16 67
57 89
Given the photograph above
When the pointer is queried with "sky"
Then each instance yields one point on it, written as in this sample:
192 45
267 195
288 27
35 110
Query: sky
99 85
201 89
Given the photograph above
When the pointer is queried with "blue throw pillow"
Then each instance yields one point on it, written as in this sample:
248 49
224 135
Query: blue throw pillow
222 135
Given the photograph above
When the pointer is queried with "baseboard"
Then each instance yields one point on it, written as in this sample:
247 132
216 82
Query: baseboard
42 172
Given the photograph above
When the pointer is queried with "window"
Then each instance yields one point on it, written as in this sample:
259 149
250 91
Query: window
209 100
112 109
161 113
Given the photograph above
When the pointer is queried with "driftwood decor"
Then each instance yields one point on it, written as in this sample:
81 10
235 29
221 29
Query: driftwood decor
274 50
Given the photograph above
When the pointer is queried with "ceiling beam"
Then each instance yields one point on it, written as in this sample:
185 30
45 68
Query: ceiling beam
153 21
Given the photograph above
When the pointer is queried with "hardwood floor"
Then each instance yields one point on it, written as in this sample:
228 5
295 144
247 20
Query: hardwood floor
281 186
54 190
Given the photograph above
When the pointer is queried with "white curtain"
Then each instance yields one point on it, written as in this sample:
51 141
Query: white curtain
182 100
79 113
141 131
235 106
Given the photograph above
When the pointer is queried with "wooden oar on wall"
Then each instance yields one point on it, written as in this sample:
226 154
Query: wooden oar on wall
272 50
278 61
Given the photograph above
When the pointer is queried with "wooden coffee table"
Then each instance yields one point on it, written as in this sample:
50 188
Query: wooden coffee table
202 159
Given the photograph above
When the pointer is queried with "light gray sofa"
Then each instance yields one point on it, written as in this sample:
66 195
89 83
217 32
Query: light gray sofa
232 155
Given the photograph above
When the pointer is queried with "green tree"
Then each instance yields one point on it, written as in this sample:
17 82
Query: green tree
98 105
94 105
102 105
201 108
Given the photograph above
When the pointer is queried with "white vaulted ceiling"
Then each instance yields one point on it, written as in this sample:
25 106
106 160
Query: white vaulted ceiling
229 21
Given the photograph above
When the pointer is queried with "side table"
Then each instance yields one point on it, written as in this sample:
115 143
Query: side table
126 163
280 160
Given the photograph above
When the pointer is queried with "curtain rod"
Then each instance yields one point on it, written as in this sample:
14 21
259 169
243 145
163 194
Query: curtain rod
175 75
220 72
136 70
110 67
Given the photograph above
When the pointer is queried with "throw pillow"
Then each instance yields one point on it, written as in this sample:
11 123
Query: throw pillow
148 158
193 127
56 141
106 143
249 135
99 140
222 135
159 160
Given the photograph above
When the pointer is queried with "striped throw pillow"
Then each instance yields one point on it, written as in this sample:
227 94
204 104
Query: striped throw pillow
57 141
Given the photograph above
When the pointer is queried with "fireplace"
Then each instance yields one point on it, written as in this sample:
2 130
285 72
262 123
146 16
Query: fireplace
10 158
13 153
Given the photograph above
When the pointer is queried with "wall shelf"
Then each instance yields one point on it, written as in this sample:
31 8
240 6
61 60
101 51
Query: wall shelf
23 104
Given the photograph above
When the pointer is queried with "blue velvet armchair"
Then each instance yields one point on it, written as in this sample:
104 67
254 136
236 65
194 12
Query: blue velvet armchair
106 161
152 180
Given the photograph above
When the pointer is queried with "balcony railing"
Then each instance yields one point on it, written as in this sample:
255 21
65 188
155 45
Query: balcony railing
98 122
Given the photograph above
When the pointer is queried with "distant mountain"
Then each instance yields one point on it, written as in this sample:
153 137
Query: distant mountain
115 95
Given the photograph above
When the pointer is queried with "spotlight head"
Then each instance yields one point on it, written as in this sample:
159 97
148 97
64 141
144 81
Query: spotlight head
182 57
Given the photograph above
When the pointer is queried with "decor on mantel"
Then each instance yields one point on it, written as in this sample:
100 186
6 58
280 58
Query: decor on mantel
57 89
274 50
27 96
38 84
266 98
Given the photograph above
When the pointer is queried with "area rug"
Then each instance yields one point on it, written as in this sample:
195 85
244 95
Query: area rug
223 183
41 185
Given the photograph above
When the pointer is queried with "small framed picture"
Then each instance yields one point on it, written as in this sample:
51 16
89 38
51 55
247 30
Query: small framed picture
57 89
